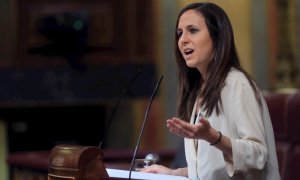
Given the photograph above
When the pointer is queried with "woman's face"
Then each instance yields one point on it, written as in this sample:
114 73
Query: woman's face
195 43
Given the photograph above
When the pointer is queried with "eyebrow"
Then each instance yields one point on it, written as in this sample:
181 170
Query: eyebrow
192 25
189 26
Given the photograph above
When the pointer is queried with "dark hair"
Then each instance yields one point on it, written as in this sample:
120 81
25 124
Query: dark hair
224 58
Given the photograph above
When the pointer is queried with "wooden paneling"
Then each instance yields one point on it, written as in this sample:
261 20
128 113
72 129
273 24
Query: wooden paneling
55 33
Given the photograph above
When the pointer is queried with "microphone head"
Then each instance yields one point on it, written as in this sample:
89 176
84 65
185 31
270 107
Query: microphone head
153 157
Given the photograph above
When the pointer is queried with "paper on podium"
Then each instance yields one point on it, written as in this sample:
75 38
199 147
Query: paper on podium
139 175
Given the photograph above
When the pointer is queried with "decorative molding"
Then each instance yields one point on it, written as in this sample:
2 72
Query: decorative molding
283 42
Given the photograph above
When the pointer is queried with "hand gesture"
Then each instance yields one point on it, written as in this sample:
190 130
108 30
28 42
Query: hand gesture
201 130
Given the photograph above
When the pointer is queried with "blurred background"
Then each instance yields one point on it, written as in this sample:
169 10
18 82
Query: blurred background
64 64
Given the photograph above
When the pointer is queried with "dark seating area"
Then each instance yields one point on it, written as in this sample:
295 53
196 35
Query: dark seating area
285 115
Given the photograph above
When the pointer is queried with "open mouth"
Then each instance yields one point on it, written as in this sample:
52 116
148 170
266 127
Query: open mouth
188 51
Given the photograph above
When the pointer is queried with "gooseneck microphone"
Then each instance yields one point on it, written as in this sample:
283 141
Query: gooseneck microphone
143 125
123 93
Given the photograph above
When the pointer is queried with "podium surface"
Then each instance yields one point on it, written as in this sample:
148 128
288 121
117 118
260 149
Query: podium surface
123 174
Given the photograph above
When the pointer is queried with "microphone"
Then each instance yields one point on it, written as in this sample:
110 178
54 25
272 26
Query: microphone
143 125
123 92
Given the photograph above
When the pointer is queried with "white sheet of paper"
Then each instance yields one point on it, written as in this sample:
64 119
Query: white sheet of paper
139 175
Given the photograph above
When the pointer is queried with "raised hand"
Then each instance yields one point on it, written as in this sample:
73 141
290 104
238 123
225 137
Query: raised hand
201 130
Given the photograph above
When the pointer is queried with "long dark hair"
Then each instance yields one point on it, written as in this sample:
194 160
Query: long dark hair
223 59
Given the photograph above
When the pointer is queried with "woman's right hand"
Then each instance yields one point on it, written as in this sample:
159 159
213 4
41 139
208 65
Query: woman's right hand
158 169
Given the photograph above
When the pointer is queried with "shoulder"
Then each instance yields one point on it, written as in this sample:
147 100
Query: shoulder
236 78
237 85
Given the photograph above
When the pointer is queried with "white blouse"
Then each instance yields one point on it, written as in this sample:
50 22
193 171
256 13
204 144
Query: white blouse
249 127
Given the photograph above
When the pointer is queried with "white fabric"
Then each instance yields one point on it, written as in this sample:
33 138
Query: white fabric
249 127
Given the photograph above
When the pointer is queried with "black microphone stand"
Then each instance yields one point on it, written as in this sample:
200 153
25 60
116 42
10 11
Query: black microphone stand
143 125
124 92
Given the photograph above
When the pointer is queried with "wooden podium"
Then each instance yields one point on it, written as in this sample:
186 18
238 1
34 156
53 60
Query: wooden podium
74 162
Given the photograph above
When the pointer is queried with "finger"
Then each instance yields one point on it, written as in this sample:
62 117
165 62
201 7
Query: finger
149 169
180 123
174 125
177 133
177 119
175 128
180 130
205 123
188 129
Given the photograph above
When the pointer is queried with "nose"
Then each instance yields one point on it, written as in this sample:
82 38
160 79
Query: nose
184 39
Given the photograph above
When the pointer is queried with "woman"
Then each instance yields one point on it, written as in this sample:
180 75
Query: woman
222 114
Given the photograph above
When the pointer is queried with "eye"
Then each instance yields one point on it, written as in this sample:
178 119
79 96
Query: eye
193 30
179 33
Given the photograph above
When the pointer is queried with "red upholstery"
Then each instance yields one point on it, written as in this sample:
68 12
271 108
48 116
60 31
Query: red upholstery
293 172
293 116
276 104
283 150
285 116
